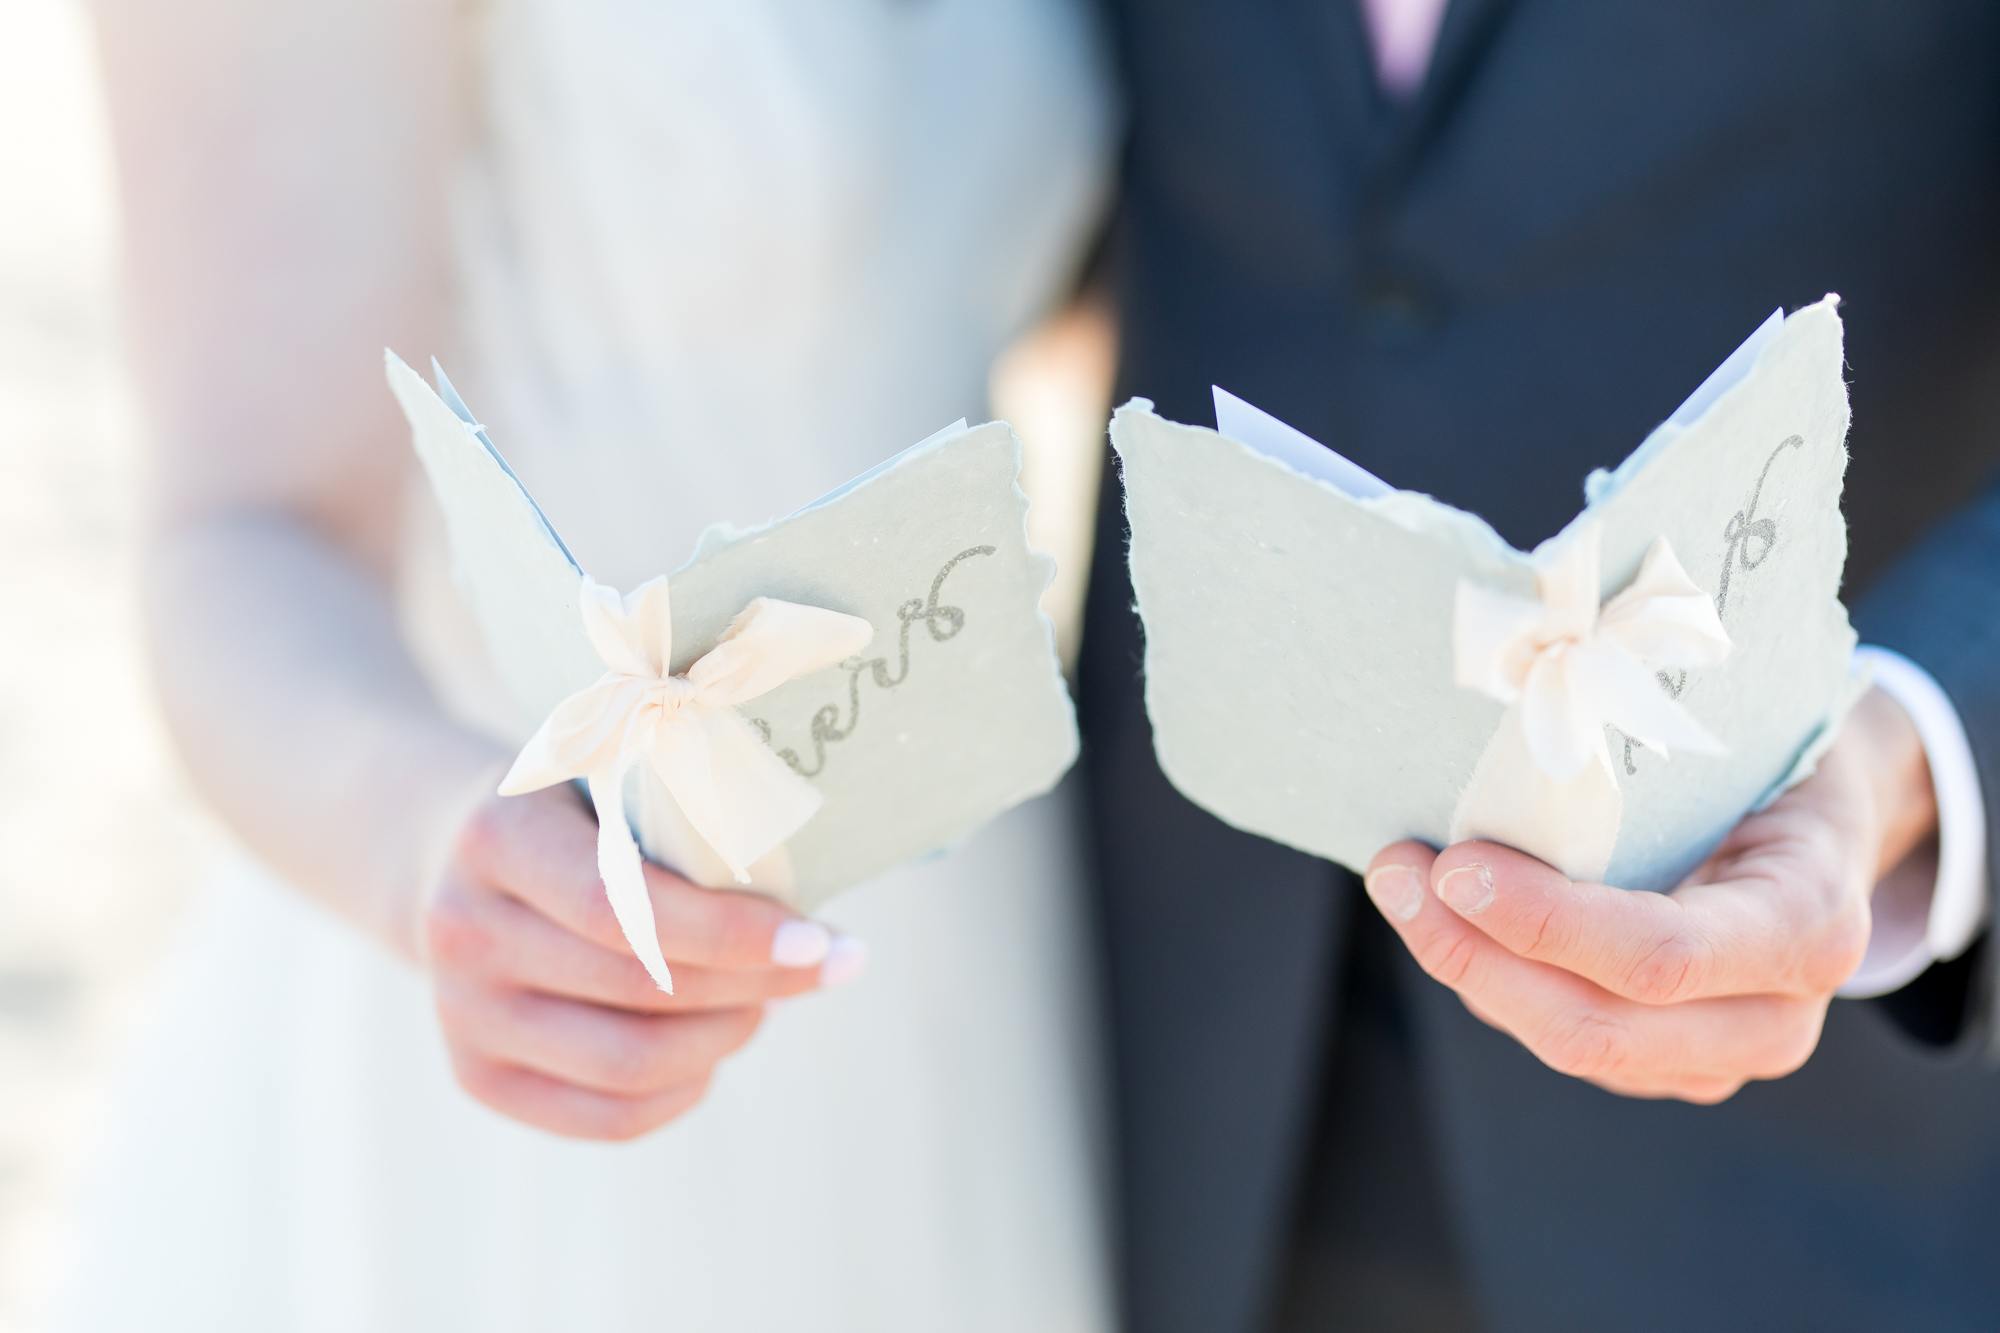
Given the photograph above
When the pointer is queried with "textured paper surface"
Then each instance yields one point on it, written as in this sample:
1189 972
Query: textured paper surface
1298 639
954 713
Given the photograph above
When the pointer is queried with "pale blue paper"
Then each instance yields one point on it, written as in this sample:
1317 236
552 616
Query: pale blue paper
1298 636
979 721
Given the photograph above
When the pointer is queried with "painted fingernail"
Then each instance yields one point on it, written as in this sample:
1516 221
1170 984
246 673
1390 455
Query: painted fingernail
844 961
1468 889
800 943
1397 890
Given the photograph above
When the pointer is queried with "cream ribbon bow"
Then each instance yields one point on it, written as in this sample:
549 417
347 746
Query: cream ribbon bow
736 794
1568 667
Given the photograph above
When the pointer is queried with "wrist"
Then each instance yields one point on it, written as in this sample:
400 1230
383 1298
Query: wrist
427 807
1899 777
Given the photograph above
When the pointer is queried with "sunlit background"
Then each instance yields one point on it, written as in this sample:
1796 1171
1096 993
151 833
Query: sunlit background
101 846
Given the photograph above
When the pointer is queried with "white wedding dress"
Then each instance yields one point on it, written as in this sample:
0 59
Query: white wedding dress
716 259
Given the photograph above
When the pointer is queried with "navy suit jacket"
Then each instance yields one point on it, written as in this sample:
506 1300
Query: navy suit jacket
1483 295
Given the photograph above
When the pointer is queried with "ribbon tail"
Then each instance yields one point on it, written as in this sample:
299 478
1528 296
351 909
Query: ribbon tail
1624 693
1559 716
623 871
1572 823
742 799
582 734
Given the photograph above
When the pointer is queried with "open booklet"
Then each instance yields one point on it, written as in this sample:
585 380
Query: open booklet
1337 664
873 672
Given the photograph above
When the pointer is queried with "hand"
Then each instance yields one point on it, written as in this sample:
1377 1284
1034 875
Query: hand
1689 994
549 1017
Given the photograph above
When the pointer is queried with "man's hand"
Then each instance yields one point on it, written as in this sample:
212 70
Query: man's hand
549 1017
1689 994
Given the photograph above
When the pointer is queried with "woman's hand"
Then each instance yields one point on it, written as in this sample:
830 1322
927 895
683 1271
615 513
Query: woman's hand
549 1017
1689 994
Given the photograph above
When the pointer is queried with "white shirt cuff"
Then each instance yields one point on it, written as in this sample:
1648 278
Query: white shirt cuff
1922 919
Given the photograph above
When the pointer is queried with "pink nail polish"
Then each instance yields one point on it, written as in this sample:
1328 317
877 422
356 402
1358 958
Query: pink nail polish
844 961
800 943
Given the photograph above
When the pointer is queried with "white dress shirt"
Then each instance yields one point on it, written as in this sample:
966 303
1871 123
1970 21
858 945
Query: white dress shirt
1925 916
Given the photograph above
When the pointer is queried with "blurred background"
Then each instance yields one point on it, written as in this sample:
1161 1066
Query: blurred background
101 846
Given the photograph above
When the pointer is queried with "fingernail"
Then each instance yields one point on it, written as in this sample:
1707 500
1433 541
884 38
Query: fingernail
1397 890
800 943
1468 889
844 961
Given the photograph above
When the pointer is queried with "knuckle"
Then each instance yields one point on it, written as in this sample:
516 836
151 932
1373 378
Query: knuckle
631 1064
718 924
1483 1015
589 907
454 1007
626 984
1545 921
743 925
1836 954
1663 972
623 1121
685 1099
482 1080
749 1018
1454 962
1785 1061
1794 1043
1585 1044
595 919
483 838
1710 1092
720 1034
454 936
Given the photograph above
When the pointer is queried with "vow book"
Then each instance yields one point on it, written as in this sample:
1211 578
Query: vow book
1337 664
801 705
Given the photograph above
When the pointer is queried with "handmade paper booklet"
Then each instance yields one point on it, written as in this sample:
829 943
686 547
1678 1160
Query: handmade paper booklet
800 706
1337 664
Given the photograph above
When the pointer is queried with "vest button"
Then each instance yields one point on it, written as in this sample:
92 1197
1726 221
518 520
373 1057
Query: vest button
1397 311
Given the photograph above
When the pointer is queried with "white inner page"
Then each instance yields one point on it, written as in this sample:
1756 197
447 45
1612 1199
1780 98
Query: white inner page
1725 376
1292 447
